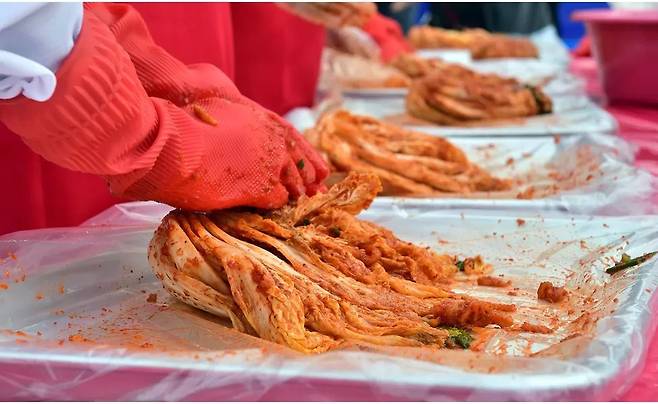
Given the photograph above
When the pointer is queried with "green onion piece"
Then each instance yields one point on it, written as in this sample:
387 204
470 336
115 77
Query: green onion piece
625 258
459 337
334 232
630 262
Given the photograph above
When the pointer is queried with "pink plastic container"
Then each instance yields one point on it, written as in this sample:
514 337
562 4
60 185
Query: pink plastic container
625 45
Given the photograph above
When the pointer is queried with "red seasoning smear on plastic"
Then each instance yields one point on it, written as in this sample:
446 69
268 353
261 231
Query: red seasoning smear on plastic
78 338
527 194
483 336
4 286
12 256
61 289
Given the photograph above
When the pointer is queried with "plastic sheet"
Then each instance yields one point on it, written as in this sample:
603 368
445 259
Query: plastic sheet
572 114
80 321
610 185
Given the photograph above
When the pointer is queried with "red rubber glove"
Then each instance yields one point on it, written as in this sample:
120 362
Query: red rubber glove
388 35
159 130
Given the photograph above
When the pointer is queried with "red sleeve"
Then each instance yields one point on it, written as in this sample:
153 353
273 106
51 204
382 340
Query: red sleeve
388 35
124 109
192 32
277 55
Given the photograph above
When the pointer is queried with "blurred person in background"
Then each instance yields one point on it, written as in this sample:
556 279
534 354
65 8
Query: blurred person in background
516 18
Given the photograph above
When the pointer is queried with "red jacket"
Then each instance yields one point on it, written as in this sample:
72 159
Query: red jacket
41 194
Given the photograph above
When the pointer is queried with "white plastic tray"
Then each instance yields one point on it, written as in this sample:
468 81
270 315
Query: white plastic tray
97 277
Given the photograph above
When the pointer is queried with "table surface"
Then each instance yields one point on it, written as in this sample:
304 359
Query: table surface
639 126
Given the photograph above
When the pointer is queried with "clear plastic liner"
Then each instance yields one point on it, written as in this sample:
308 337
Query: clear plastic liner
550 46
611 185
84 318
552 77
571 114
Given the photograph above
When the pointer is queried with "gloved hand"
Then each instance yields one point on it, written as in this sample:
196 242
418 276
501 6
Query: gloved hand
387 33
354 41
160 130
333 15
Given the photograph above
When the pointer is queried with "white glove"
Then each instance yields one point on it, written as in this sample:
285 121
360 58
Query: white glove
34 40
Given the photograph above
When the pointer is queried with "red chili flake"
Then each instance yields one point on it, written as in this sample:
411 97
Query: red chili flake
520 222
152 298
4 286
527 194
509 161
61 289
589 177
12 256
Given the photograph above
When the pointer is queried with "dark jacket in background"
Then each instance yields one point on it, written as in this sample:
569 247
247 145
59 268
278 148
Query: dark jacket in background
520 18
